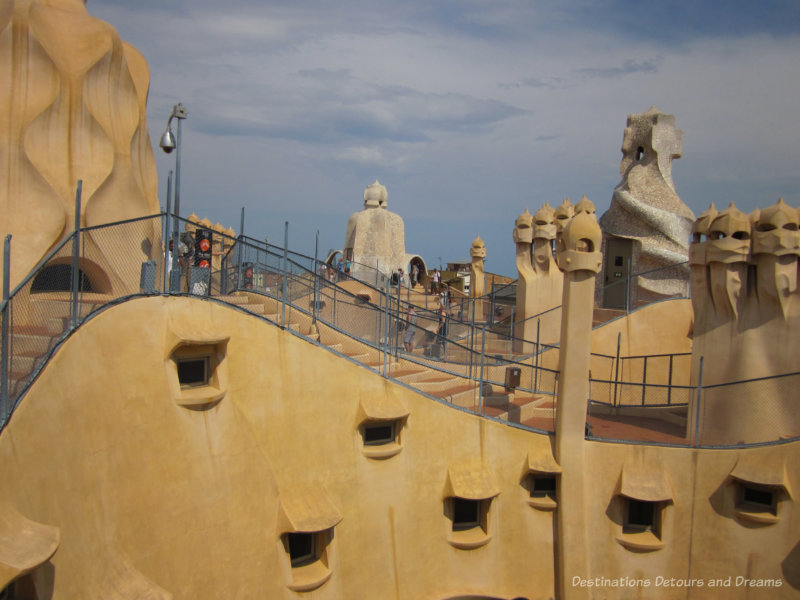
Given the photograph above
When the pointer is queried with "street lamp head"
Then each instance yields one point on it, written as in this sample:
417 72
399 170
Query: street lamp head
167 142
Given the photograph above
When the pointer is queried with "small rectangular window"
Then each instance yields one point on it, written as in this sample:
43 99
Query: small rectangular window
376 434
302 550
640 515
543 486
466 514
759 498
617 261
193 372
756 496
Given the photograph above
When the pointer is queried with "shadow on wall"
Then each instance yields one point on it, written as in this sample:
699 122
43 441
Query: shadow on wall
790 567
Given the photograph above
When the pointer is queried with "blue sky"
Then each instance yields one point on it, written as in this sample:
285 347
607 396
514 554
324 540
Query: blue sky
469 111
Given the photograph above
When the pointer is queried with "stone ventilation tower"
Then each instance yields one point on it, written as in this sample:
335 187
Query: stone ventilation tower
375 237
73 108
746 317
580 259
477 276
540 280
647 226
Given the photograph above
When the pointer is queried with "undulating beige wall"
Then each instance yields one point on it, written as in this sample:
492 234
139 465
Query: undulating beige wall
188 500
659 328
703 539
151 497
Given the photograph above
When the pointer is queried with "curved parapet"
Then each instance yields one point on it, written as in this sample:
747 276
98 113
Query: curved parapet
645 207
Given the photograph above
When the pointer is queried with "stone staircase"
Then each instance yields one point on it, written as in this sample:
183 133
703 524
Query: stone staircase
519 408
51 312
37 326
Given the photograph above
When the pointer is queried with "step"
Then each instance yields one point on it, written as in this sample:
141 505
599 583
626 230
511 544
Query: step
437 384
410 375
519 409
25 363
463 395
31 344
256 309
51 326
54 308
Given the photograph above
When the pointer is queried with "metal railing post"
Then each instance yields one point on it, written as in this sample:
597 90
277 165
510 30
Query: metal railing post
483 356
223 268
285 269
472 341
698 400
616 367
628 289
239 252
386 332
397 335
491 308
511 335
6 331
76 254
669 381
170 257
536 358
315 279
644 380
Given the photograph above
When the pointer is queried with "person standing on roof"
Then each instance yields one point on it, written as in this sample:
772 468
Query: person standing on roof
411 329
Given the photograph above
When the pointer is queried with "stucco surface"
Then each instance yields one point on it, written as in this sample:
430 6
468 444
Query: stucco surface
189 499
72 107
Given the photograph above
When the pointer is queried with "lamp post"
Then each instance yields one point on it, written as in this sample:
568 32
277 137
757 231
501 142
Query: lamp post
168 143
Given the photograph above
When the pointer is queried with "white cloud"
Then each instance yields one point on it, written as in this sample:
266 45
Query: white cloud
468 111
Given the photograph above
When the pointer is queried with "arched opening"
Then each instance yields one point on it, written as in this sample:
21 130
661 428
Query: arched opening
58 278
639 153
333 257
418 275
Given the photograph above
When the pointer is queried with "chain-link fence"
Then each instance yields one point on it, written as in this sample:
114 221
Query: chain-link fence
750 412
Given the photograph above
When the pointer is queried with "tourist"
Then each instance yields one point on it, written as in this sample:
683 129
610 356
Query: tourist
441 331
435 279
445 296
408 337
169 260
414 274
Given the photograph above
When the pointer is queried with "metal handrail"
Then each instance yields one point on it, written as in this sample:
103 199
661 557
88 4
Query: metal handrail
300 278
